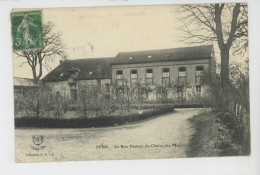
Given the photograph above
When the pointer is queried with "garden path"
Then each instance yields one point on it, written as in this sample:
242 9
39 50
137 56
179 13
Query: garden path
166 136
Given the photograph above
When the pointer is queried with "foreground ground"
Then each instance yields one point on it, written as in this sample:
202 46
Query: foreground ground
166 136
216 136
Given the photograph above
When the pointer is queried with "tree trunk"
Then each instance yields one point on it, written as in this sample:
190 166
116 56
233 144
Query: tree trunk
224 67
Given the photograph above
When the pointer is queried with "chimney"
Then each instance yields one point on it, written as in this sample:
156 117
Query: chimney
73 72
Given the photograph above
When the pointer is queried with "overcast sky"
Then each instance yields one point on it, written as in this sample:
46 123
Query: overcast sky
111 30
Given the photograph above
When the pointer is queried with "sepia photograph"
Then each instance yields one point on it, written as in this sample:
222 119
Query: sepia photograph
131 82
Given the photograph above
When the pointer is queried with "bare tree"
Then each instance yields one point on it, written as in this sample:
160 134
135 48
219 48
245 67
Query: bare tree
37 59
225 23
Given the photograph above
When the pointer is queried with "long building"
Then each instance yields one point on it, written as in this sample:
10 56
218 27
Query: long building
182 67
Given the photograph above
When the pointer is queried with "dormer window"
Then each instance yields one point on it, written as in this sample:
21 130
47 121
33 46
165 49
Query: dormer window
149 56
130 58
61 74
167 56
90 73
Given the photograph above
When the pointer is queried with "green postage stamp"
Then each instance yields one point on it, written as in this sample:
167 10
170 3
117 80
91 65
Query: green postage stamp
27 30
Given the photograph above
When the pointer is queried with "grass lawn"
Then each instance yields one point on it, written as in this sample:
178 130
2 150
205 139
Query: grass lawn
213 137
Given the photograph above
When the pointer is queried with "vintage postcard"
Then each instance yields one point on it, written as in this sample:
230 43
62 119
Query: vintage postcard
136 82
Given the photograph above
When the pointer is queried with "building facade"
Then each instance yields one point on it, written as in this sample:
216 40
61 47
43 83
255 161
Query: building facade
182 68
22 86
73 76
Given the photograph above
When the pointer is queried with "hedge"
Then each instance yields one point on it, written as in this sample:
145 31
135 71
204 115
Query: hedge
189 106
100 121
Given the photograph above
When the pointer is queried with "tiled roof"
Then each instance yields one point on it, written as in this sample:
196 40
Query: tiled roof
94 68
23 82
184 53
100 68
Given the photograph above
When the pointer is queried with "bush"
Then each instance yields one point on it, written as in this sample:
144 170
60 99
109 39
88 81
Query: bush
91 103
100 121
189 106
40 102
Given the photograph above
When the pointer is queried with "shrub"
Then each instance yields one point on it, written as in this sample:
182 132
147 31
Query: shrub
40 102
100 121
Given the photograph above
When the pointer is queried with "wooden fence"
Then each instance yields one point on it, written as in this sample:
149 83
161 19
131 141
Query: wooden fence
242 120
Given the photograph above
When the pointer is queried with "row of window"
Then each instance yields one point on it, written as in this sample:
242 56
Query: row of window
182 75
74 93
